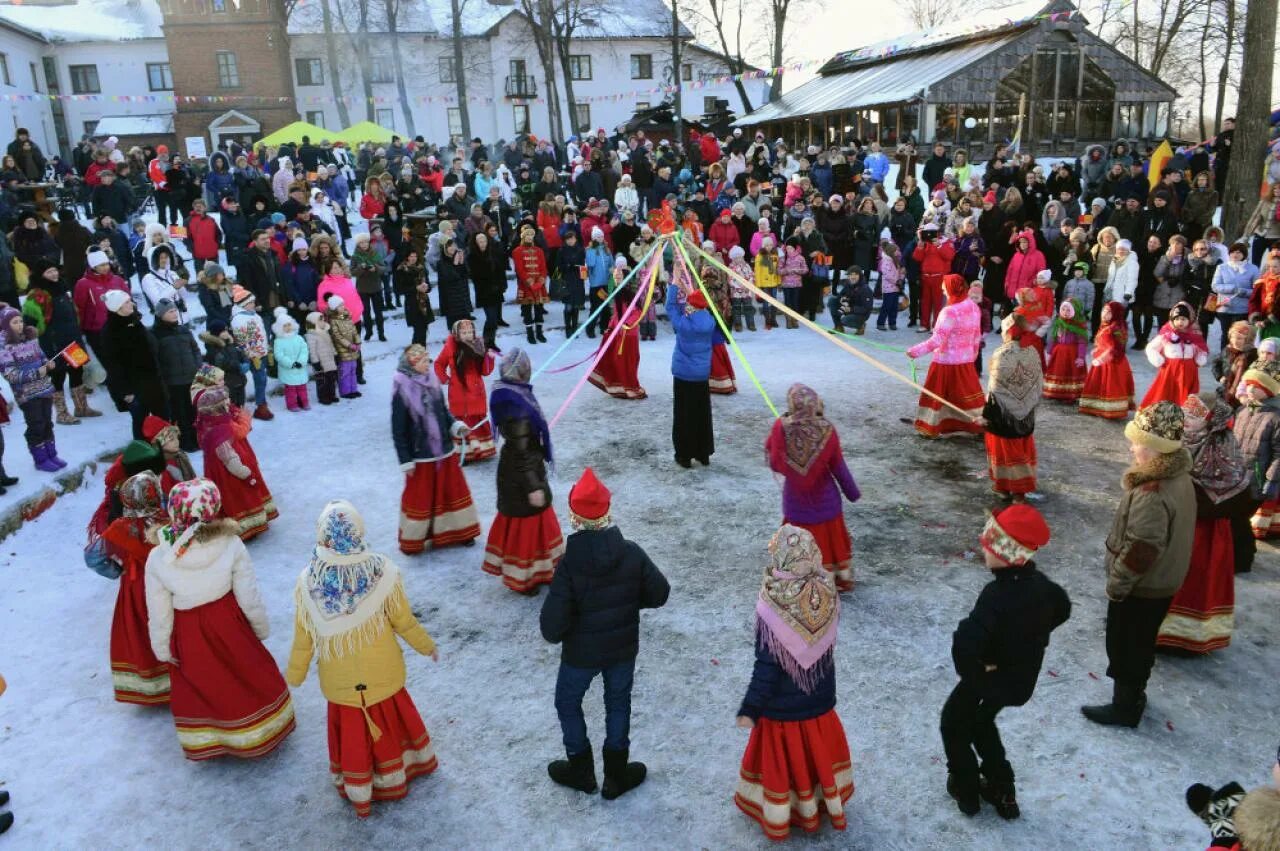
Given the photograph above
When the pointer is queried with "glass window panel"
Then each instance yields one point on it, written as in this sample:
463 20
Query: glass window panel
1095 120
1127 122
944 122
1016 82
1006 123
981 115
1097 85
910 121
1046 63
1068 74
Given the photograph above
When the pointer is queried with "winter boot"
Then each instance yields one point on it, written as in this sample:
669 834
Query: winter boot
303 400
60 405
528 334
6 821
52 449
360 370
737 324
965 794
80 396
620 776
576 772
591 331
1125 709
1002 797
262 412
5 479
40 454
862 329
537 330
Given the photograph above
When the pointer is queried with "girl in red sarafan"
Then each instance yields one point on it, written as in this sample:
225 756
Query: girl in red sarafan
951 375
462 365
1108 389
207 620
136 674
617 370
1014 387
1178 352
797 760
1067 347
230 463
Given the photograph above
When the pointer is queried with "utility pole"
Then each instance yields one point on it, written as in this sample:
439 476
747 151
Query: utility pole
676 76
1253 112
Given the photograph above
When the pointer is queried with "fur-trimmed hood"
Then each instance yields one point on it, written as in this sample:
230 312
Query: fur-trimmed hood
1258 820
1165 466
212 340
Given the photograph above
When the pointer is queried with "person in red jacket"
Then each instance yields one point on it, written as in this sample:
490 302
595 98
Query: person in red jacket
373 205
433 175
710 149
204 237
93 174
724 233
934 257
598 217
530 265
98 280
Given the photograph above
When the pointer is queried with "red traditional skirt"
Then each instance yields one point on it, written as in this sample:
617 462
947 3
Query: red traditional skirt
617 371
524 550
479 440
792 770
137 676
249 505
1108 391
957 383
1175 381
365 770
1063 380
227 695
722 374
436 507
1266 520
1202 614
1011 463
836 546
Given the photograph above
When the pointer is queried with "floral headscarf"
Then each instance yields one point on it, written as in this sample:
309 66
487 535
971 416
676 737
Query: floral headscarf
805 430
342 571
141 496
206 376
191 504
1217 463
798 609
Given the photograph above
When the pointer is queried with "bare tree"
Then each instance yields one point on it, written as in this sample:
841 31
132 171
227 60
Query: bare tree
392 10
1254 112
724 18
456 8
565 19
360 46
1224 71
331 54
540 16
926 14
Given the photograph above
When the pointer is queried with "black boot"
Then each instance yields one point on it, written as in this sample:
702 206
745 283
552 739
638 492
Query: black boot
6 479
620 776
6 821
537 330
591 331
528 334
965 795
576 772
1002 797
1125 709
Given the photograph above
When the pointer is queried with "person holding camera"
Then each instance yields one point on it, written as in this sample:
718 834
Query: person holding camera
934 257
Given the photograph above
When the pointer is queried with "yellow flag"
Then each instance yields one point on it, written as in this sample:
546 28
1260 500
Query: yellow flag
1159 158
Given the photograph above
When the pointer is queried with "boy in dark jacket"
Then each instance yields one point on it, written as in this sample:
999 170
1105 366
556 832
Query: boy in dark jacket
570 260
998 650
852 302
593 610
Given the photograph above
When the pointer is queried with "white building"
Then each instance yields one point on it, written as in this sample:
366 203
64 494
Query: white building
107 65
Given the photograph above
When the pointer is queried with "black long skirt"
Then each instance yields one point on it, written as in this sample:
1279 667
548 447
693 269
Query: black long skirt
691 432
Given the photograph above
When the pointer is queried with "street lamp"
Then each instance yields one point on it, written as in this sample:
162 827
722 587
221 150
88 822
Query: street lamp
969 124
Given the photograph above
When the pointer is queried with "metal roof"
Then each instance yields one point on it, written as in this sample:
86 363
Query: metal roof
135 125
890 81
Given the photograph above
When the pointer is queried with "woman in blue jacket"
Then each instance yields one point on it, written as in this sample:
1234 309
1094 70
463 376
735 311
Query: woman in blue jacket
695 327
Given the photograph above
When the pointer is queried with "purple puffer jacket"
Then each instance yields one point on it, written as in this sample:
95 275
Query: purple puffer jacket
815 498
20 365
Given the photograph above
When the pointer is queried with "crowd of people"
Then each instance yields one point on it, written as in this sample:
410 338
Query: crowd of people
277 265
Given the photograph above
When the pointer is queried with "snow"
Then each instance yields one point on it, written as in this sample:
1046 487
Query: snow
135 125
86 771
89 20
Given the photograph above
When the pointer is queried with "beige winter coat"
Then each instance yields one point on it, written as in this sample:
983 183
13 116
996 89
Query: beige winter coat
321 351
1149 548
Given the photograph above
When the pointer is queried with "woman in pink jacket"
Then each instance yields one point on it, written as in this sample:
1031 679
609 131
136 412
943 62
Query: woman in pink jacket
1026 263
954 344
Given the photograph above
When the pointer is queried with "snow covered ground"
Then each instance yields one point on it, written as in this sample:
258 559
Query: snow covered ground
87 772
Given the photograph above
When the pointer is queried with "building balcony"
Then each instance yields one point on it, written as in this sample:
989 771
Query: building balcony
522 87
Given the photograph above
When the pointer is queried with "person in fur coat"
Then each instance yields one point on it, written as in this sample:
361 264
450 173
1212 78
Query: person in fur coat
323 358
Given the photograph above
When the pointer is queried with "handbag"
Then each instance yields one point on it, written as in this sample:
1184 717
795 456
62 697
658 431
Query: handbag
97 560
1212 303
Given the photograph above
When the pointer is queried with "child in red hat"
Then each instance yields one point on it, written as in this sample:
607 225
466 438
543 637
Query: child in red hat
998 650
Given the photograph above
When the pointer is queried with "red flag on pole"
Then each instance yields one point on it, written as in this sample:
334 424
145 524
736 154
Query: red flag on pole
74 355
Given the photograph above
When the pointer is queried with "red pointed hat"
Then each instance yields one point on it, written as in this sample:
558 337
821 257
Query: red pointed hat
153 427
589 499
1014 534
697 300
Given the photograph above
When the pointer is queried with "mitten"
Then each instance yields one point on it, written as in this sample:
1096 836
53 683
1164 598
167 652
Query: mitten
1217 810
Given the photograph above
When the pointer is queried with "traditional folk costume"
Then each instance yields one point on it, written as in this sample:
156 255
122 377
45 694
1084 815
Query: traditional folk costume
1035 306
1257 430
230 463
1202 614
954 344
804 449
351 605
462 365
617 370
722 379
138 456
797 760
1108 389
1178 355
1014 387
137 676
164 436
524 541
530 266
435 506
1067 346
207 620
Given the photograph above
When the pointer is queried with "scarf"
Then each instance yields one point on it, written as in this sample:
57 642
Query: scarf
1217 463
141 496
512 398
1075 325
422 395
1190 335
1112 336
804 430
464 352
798 609
1017 378
192 504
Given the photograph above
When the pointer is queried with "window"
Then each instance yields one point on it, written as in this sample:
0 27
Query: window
517 68
447 72
84 79
580 67
641 66
385 118
582 117
315 117
159 77
944 123
686 72
455 120
35 77
4 69
1127 120
228 70
310 72
981 114
710 104
382 70
90 127
219 5
1095 120
520 117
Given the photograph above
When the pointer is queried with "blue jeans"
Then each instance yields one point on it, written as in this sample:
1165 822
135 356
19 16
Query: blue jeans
571 686
260 382
833 308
